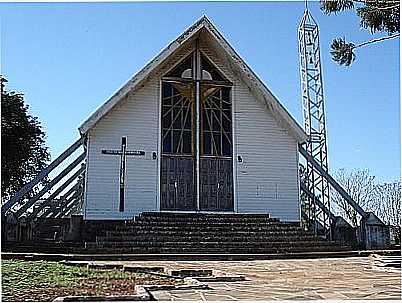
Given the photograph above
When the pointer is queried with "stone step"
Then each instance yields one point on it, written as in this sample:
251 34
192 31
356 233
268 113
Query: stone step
48 228
207 219
205 226
211 223
51 221
200 215
159 233
258 249
207 244
195 238
206 233
43 246
46 233
214 250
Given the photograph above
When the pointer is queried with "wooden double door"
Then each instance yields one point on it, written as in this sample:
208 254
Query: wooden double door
179 175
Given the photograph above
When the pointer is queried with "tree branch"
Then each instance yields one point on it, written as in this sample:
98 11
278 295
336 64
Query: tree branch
372 2
376 40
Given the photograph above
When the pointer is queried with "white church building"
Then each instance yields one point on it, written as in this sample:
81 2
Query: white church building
194 131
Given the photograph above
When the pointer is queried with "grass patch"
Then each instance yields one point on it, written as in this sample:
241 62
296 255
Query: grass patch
44 281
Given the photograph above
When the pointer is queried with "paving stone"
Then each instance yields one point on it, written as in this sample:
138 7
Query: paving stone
100 298
144 269
221 279
191 273
95 265
308 279
311 279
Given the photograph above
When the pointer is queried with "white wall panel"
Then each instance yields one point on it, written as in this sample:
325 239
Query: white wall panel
137 119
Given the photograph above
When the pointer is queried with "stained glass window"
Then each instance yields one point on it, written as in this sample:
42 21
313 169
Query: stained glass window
184 69
177 118
209 68
178 110
216 122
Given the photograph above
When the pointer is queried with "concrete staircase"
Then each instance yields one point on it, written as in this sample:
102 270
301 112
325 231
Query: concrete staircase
46 235
49 229
188 233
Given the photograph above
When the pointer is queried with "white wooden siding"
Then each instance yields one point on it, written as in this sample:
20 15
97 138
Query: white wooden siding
137 119
266 181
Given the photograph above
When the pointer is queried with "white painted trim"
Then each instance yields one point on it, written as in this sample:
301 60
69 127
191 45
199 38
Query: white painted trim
158 165
217 67
298 184
125 179
197 126
234 152
86 176
180 61
271 101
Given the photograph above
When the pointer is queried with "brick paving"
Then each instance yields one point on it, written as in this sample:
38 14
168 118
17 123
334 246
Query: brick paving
332 278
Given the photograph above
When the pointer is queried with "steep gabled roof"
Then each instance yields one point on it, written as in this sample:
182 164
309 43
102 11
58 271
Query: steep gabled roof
248 76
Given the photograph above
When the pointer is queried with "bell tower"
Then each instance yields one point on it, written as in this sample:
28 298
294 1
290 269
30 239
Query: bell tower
314 125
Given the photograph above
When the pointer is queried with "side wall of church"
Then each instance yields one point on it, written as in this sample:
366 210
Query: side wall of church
267 178
137 119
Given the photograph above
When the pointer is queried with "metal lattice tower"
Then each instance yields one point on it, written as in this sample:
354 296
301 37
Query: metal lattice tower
314 124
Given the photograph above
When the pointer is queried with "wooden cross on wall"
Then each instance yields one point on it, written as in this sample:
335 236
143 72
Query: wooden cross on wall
123 152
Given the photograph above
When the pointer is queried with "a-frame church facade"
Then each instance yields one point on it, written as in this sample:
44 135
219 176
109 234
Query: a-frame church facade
193 131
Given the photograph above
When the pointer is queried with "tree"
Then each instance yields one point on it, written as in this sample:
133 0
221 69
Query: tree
376 16
388 197
23 149
361 186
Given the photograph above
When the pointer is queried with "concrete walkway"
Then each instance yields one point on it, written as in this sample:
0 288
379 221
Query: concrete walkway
332 278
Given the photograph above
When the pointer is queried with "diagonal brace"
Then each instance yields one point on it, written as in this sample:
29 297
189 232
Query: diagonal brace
44 173
60 176
332 181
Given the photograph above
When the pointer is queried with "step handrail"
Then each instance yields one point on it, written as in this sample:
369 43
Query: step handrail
46 188
332 181
40 176
65 197
318 202
49 199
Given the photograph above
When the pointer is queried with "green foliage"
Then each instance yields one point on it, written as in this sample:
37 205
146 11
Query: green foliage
379 18
342 51
23 150
42 273
330 7
44 281
376 16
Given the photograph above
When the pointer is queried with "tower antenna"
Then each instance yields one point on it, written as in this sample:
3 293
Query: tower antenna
314 125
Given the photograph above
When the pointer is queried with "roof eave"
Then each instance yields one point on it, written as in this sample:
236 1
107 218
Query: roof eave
143 74
139 77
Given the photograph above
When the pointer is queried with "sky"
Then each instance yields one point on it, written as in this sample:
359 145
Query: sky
69 58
